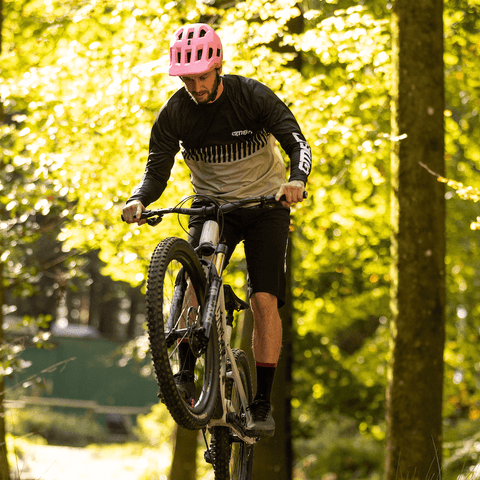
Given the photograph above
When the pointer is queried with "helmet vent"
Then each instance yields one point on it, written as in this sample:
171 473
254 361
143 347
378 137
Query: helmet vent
202 33
199 54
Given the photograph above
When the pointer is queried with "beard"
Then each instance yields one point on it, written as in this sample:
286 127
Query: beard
211 96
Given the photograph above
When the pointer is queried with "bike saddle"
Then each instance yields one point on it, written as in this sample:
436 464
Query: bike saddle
232 302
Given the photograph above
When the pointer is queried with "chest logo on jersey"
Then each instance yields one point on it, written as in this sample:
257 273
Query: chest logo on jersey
240 133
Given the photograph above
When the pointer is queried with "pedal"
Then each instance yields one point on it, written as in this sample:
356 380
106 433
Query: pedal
232 302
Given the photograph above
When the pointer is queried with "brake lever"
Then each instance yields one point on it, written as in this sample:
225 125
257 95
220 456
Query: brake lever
152 221
145 213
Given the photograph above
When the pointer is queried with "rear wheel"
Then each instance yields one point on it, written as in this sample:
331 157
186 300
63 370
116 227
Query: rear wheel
175 305
233 459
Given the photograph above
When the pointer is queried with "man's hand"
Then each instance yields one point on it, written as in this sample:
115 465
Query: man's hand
132 212
293 192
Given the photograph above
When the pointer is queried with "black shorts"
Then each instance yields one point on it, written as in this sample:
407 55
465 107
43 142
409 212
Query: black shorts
264 232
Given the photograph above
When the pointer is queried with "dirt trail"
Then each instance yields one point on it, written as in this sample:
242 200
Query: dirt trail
42 462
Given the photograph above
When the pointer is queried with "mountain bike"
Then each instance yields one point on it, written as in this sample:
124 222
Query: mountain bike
190 309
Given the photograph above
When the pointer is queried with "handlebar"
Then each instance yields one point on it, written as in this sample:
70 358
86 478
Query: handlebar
154 217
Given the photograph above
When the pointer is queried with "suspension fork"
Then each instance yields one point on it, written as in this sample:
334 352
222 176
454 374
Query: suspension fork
211 302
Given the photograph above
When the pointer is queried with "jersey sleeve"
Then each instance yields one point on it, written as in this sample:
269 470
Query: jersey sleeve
163 147
281 123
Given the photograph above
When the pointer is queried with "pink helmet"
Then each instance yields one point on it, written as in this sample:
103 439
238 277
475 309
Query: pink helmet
194 49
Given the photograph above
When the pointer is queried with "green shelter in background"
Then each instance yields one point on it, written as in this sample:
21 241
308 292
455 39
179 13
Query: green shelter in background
83 372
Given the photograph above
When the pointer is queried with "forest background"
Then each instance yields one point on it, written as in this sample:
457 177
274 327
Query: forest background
81 83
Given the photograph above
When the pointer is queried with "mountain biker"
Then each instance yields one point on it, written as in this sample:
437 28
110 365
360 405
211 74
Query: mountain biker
226 127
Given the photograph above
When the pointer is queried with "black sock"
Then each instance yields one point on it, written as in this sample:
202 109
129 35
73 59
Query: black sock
265 375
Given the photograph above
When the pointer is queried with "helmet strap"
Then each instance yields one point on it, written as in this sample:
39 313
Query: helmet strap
213 96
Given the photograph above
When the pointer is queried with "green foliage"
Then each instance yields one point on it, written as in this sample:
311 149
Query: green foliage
342 236
156 427
461 449
340 452
90 78
462 157
55 427
81 83
327 383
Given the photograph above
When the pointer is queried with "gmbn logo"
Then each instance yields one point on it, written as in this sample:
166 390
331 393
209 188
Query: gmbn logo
240 133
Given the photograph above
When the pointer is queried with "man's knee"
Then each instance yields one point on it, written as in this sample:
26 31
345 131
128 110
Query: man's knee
264 298
264 303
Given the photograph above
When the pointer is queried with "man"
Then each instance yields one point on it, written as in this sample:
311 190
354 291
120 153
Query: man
227 127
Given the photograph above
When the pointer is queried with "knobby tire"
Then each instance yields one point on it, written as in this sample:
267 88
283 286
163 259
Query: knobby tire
233 459
176 277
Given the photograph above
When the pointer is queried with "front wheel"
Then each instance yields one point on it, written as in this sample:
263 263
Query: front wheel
233 459
186 366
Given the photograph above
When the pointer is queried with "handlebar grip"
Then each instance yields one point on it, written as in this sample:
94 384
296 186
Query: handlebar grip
142 216
305 195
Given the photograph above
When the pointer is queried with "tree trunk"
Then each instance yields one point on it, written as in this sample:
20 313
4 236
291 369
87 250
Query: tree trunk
414 397
135 301
4 467
184 462
273 457
95 299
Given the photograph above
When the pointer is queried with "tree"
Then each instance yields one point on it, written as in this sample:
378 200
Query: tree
184 459
4 467
415 390
274 456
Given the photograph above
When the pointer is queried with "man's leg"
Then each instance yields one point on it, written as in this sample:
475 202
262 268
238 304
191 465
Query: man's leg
266 237
267 343
267 334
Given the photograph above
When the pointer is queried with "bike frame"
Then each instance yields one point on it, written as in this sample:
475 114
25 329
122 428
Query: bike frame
226 353
213 259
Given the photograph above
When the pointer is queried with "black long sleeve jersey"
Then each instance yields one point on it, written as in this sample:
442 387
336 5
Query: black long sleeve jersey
229 145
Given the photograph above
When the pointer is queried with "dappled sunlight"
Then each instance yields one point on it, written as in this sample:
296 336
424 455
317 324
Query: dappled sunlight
81 84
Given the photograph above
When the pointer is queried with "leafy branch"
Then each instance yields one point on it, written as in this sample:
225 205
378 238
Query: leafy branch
464 192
